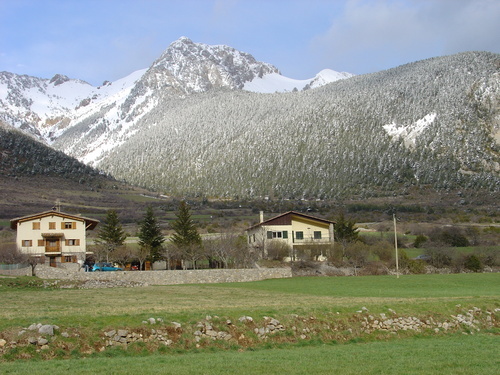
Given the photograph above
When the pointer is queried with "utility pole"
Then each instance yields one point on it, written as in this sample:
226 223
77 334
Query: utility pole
396 246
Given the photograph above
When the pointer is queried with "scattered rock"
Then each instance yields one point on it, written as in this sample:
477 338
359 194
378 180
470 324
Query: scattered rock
47 329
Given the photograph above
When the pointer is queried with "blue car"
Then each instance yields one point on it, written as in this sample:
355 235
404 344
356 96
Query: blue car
423 257
105 267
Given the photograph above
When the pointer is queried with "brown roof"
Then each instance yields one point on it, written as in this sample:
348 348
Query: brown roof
286 219
90 223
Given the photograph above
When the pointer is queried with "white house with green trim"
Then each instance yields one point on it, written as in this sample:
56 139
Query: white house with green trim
293 228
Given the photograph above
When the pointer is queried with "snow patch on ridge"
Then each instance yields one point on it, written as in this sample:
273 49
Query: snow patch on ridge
410 132
275 82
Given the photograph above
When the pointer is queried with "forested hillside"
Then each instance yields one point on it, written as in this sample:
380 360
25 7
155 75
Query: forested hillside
21 155
427 124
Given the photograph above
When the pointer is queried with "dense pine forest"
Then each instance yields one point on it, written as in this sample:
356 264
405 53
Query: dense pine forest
429 124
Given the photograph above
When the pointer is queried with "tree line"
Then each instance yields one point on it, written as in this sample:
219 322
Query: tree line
184 249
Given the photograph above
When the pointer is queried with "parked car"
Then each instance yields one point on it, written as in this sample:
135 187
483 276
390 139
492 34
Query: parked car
105 267
423 257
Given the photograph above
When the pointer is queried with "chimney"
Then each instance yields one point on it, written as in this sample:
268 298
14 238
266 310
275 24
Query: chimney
261 216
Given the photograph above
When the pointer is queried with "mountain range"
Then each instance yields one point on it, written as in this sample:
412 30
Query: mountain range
213 121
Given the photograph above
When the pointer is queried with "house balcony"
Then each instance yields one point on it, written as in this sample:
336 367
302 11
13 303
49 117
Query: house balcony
311 241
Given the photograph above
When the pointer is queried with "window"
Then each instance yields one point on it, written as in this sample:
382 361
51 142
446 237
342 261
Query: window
68 225
299 235
27 243
52 225
317 235
277 234
72 242
36 225
41 242
68 259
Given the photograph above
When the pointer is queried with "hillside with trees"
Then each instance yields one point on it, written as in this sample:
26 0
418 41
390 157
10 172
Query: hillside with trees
431 124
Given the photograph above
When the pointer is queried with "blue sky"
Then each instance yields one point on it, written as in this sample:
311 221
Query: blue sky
97 40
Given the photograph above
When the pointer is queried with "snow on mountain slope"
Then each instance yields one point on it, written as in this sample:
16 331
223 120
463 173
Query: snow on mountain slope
87 122
45 108
410 133
275 82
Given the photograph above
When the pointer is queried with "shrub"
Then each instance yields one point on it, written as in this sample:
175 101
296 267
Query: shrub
450 236
473 263
357 254
439 257
416 266
489 257
419 241
375 268
384 250
277 250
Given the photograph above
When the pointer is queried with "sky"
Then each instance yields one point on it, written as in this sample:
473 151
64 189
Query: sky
98 40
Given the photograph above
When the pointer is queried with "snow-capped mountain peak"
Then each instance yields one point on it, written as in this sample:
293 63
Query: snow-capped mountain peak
196 67
88 121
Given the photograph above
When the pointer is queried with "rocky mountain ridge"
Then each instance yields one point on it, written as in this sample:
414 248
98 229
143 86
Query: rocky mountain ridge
205 121
45 108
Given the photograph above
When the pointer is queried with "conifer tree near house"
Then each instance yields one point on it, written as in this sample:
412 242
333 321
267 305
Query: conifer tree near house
150 236
186 237
111 235
345 232
186 233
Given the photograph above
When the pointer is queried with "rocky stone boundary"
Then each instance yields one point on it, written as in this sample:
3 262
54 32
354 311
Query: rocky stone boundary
138 278
245 331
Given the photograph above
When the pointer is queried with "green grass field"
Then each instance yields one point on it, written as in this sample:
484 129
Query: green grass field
305 303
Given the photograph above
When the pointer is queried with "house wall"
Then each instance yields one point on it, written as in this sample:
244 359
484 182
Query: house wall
26 232
307 227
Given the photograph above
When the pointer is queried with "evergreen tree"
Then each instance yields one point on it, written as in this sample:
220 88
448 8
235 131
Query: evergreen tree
150 236
186 233
111 235
186 237
345 232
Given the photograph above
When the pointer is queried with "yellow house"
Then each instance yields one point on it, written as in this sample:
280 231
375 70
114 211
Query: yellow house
293 228
55 235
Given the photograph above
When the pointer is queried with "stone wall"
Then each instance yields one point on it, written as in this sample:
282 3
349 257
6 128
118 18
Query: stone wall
168 277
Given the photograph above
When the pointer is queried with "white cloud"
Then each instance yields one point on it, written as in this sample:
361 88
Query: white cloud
373 35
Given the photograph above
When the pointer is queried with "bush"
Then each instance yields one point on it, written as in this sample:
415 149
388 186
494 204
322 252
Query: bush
450 236
489 257
416 266
439 257
419 241
384 250
375 268
473 263
357 254
277 250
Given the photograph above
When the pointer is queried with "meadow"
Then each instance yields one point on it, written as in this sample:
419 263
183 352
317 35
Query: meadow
330 310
